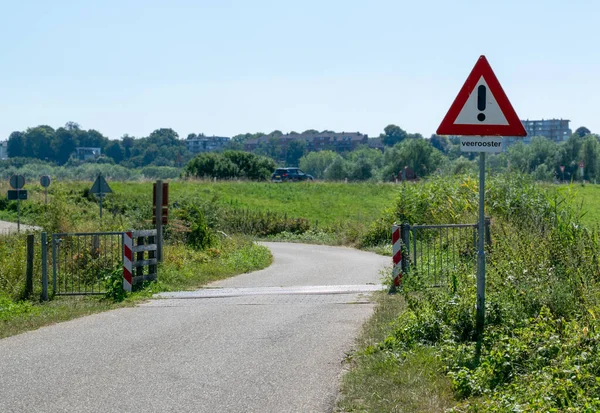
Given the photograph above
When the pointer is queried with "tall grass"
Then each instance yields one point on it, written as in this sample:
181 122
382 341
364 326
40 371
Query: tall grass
543 290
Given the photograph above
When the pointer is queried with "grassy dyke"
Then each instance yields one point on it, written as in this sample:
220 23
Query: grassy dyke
542 333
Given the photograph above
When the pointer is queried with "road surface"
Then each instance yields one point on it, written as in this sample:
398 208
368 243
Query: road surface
11 227
269 341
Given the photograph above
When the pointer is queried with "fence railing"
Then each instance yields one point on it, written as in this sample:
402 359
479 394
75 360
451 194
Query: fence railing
82 262
436 252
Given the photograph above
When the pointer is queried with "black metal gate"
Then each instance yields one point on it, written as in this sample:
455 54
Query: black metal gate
82 262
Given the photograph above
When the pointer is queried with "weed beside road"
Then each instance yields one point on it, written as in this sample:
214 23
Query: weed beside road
542 335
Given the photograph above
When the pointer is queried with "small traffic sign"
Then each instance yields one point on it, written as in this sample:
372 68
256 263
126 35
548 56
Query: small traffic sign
481 107
562 168
581 164
17 181
45 181
17 195
100 186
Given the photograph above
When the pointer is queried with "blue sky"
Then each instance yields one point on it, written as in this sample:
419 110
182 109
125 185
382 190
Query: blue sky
231 66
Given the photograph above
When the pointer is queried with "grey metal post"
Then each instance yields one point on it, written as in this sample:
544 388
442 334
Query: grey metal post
488 233
100 195
44 266
29 273
405 234
159 230
18 212
54 263
480 317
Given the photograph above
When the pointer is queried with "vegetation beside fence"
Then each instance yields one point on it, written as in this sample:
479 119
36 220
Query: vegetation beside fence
540 351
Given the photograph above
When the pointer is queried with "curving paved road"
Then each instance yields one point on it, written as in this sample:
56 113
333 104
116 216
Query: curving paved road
268 341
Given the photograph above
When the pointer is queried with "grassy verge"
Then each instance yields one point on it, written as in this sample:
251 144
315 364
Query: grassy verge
385 382
184 268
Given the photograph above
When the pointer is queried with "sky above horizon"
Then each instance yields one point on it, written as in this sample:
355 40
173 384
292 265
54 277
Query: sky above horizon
231 66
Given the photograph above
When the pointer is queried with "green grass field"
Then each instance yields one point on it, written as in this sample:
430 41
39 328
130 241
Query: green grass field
588 198
326 203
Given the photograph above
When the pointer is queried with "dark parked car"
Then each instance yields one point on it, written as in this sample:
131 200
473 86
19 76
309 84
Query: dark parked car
290 174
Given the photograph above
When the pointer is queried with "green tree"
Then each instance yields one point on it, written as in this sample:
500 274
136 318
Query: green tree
337 170
441 143
582 131
16 145
64 144
115 151
315 163
38 142
295 151
417 154
128 142
392 135
589 155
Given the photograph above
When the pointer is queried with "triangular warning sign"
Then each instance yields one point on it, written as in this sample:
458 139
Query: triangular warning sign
100 186
481 107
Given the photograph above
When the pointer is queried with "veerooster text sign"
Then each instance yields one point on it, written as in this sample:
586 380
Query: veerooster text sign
481 144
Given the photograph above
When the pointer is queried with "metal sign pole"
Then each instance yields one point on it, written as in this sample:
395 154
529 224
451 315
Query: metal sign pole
480 317
18 212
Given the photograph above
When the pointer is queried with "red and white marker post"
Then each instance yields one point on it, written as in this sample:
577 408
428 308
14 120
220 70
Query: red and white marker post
127 258
396 258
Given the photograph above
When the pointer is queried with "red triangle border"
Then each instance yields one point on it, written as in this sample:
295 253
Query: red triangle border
514 127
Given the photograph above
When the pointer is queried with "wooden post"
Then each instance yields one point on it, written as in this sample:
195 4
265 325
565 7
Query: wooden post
29 273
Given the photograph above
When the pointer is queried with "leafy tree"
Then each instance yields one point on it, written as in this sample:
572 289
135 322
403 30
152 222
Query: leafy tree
38 142
230 164
64 144
392 135
115 151
16 145
315 163
418 154
128 142
361 170
441 143
337 170
295 151
92 139
590 156
582 131
310 132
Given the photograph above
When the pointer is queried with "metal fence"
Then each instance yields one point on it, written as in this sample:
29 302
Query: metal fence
81 263
437 252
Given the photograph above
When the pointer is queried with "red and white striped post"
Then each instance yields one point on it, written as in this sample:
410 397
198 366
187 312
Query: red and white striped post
396 258
127 258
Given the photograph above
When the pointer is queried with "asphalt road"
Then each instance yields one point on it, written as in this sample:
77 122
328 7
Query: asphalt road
273 341
11 227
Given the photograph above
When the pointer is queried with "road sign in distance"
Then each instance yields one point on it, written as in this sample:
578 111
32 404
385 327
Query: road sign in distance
17 181
15 194
100 186
45 181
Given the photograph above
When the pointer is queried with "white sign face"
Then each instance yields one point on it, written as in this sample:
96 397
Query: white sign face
481 108
491 144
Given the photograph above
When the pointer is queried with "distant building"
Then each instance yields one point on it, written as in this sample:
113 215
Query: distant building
334 141
88 154
4 150
206 144
556 130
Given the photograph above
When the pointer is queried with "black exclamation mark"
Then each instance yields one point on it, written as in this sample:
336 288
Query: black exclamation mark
481 102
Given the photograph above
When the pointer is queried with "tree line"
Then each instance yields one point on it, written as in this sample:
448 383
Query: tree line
545 159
